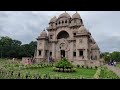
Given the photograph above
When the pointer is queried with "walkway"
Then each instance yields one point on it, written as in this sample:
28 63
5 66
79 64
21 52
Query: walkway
114 69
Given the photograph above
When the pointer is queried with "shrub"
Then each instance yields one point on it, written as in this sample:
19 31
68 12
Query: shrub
87 67
64 64
78 65
97 74
91 67
96 67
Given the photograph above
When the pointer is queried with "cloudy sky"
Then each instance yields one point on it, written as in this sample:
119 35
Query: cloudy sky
27 25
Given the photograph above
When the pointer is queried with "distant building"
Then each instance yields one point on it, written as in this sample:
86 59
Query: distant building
68 37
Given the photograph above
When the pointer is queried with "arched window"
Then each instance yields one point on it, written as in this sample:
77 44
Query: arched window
69 21
62 22
91 57
62 34
66 21
56 23
59 22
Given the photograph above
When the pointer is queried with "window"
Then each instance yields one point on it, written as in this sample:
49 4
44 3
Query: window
66 21
91 57
80 53
56 23
74 54
62 22
50 36
74 34
69 21
39 52
46 52
59 22
50 53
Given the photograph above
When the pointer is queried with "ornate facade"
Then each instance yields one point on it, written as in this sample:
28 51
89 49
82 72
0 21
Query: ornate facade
67 36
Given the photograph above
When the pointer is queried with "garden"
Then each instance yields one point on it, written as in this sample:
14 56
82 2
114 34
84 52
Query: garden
62 70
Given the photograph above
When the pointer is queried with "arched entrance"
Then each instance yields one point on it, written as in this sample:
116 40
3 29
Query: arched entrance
62 53
62 34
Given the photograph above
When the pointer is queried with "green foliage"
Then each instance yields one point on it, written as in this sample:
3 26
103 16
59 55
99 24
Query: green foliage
97 74
10 48
78 66
64 63
111 56
107 74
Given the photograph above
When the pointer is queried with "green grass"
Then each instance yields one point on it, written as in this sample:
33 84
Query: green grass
80 72
87 73
118 65
107 74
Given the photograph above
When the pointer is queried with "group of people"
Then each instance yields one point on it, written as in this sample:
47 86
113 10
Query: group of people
112 63
50 59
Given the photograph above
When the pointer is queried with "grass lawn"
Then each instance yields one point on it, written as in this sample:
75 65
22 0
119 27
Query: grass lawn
118 65
107 74
80 72
87 73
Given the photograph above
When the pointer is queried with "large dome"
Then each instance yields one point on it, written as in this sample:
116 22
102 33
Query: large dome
64 15
94 46
53 19
92 39
76 16
43 33
83 30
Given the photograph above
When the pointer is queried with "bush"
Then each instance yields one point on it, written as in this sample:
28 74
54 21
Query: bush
96 67
91 67
97 74
63 66
78 66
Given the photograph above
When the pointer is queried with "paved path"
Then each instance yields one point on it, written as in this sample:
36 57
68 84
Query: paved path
114 69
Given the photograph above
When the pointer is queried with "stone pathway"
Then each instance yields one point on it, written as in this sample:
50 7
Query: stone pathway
114 69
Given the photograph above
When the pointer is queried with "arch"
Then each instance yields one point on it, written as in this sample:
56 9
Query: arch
62 34
65 21
62 22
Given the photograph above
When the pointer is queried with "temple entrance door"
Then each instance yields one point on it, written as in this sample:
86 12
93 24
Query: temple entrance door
63 53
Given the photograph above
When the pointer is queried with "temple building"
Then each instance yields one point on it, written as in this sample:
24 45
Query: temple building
67 37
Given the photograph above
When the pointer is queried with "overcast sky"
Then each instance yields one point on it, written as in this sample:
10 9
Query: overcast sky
27 25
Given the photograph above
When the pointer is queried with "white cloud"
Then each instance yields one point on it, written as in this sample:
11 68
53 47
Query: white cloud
27 25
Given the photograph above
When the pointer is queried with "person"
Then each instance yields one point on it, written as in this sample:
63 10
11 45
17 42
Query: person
114 63
48 59
62 56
